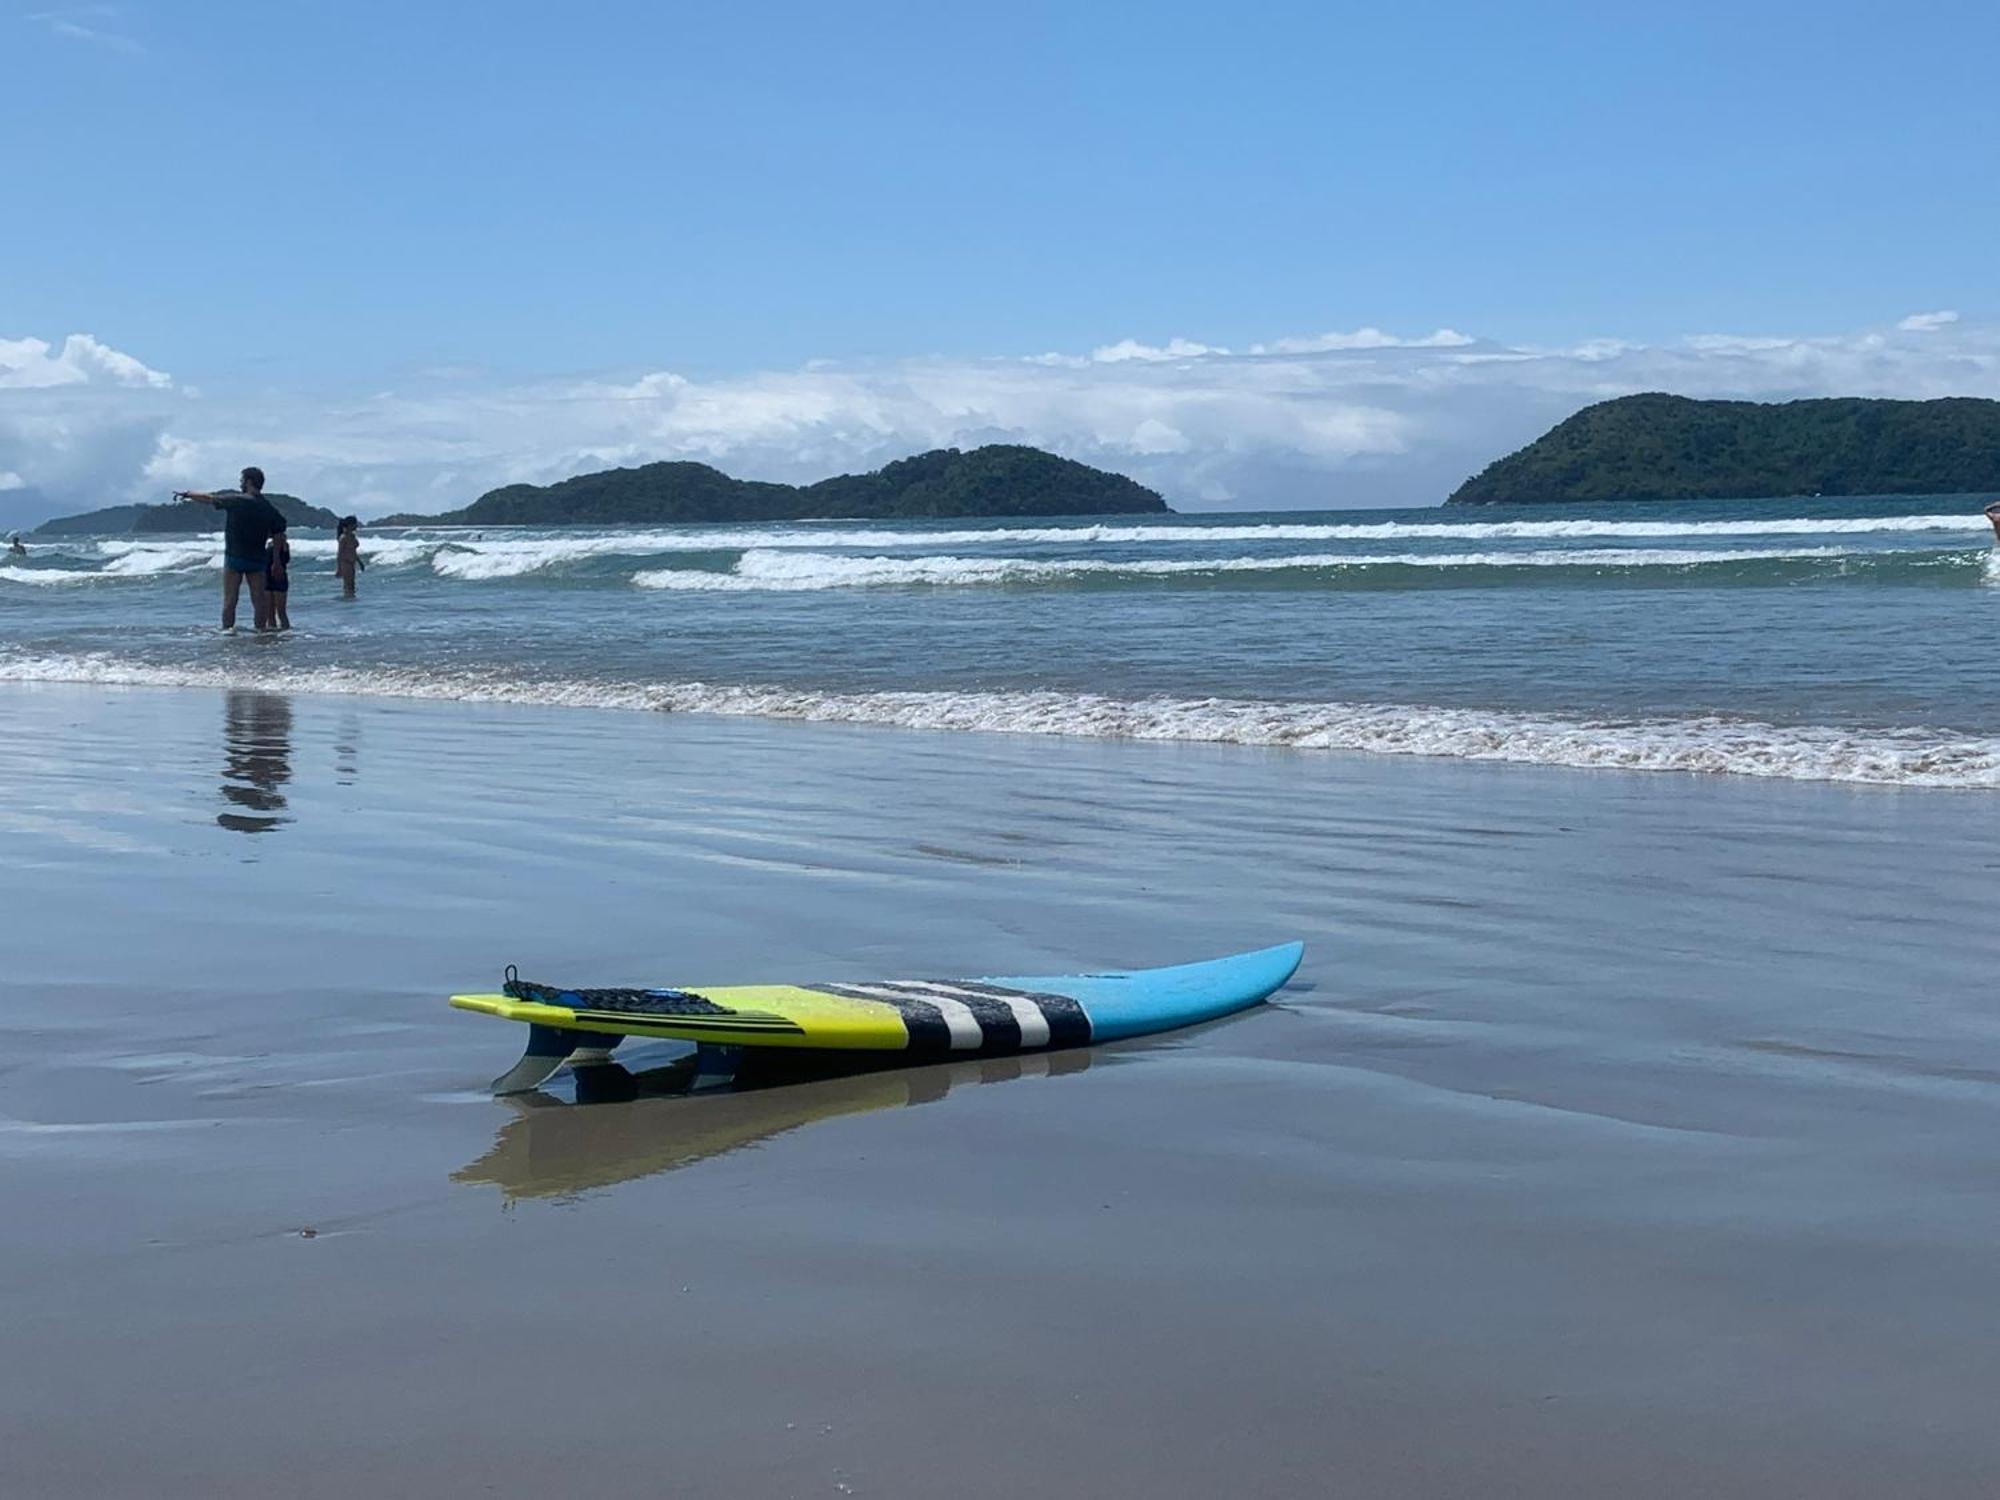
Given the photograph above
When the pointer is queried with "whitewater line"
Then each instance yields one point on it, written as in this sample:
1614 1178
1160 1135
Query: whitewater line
1916 757
797 571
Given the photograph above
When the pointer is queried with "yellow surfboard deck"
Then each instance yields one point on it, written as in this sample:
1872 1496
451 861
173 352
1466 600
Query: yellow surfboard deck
761 1015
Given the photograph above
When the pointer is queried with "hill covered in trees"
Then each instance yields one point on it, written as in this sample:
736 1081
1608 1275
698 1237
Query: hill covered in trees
999 480
180 517
1659 447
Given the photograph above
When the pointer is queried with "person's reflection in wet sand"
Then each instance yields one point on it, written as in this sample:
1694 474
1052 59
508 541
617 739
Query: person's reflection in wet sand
347 750
626 1125
257 761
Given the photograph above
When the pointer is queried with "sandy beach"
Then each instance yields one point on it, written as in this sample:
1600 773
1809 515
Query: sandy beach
1623 1133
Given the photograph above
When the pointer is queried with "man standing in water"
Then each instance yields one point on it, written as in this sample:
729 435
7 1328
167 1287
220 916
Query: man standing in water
248 520
1993 515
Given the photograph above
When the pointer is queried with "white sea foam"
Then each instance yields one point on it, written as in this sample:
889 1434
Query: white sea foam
1390 531
377 552
478 555
737 539
1888 756
139 557
489 553
1630 530
45 577
780 558
793 571
142 558
153 561
514 557
124 559
205 541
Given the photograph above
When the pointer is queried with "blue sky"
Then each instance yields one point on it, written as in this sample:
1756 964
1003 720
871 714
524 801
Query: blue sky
286 209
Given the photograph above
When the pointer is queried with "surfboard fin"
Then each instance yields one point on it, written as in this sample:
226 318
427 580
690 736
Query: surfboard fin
549 1047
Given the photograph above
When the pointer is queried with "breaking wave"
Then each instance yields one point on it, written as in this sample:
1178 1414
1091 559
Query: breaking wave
1708 744
120 559
43 577
478 554
481 555
514 558
794 571
795 534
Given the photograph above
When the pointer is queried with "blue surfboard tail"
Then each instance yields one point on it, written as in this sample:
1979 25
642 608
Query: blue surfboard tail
1142 1001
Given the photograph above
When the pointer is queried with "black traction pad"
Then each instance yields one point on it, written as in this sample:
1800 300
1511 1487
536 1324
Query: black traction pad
617 1002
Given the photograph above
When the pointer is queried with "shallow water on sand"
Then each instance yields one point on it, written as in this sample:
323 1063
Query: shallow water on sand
1622 1132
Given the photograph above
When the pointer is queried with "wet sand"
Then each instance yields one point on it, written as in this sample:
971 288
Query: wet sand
1624 1133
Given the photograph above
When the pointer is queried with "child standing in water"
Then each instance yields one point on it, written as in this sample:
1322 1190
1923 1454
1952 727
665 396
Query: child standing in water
347 555
278 575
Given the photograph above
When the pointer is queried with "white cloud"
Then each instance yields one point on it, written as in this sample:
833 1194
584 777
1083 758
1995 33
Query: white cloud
1929 322
79 424
1361 338
1155 436
34 363
1371 419
1722 343
75 23
1125 349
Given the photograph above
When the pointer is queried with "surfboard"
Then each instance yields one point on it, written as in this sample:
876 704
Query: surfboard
919 1018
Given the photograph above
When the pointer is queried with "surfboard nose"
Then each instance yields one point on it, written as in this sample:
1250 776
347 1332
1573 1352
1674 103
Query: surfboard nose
1284 960
1141 1001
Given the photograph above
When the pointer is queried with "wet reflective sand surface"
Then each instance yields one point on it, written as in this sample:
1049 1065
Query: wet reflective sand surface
1622 1134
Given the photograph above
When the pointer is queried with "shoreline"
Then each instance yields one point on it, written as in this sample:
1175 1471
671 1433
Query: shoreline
1920 758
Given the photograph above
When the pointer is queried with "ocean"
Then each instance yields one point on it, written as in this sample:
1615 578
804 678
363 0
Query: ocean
1845 640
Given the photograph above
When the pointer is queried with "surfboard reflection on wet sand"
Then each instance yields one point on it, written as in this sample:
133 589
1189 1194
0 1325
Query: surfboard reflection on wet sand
626 1125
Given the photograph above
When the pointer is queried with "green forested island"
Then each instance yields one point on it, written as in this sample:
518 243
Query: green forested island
178 516
1659 447
999 480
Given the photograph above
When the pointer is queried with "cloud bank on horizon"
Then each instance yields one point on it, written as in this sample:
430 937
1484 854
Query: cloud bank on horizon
1329 420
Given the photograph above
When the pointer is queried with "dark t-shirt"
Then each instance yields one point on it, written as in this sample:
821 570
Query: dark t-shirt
247 524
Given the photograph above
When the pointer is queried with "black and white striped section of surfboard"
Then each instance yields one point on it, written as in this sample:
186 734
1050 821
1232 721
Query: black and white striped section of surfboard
953 1016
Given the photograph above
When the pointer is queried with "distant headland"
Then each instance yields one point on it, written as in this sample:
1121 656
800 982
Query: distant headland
998 480
151 520
1659 447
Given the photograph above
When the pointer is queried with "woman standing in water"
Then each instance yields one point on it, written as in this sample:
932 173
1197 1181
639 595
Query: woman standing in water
347 555
1993 515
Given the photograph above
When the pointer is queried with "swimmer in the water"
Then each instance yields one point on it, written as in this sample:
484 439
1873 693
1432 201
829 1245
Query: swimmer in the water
1993 515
